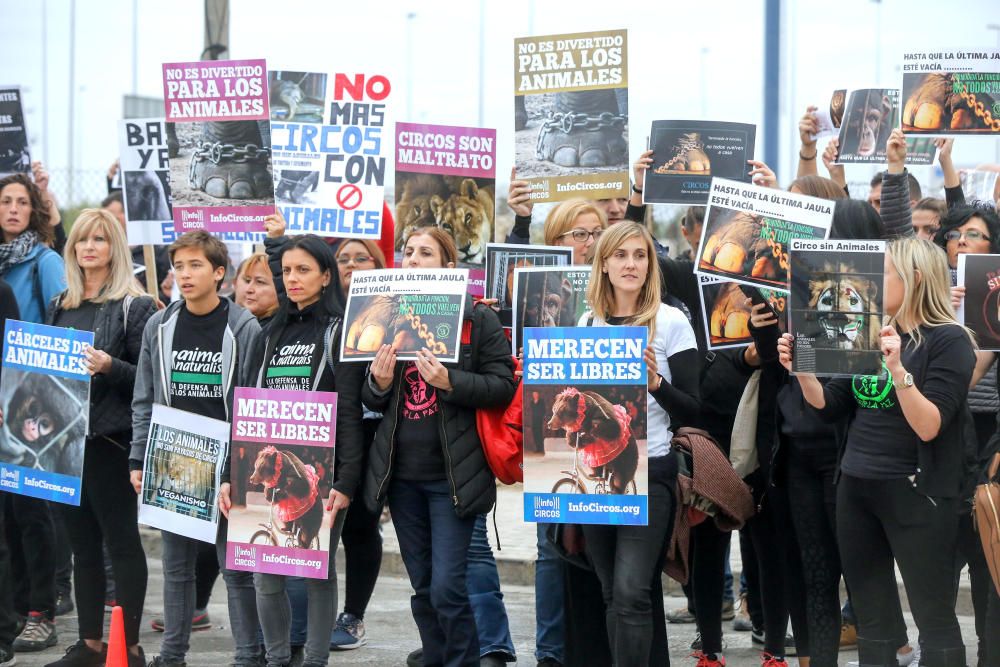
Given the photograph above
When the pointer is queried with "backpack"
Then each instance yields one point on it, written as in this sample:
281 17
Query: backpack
500 428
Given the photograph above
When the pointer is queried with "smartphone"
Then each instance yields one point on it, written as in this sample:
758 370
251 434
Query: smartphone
756 297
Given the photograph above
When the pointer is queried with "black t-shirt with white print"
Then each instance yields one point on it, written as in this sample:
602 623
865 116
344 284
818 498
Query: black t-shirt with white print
295 357
196 362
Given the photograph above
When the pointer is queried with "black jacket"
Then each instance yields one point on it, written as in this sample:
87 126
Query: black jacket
111 392
8 305
483 378
348 377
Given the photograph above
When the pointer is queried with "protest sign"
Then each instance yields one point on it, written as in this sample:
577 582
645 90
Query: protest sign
446 176
45 396
501 261
585 411
180 473
330 147
870 116
282 472
144 165
748 227
835 306
221 177
980 185
726 313
980 309
952 92
687 154
829 118
15 154
411 309
553 296
571 115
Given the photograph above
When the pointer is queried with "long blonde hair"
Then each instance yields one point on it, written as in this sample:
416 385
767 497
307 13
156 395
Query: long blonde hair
600 293
927 301
121 280
561 218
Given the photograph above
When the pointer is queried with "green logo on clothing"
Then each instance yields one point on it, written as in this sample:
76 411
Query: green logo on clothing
873 391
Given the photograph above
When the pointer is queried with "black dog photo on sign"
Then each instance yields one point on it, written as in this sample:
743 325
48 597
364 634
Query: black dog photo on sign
836 311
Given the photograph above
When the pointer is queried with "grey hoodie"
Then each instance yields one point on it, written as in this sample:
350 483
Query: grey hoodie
153 368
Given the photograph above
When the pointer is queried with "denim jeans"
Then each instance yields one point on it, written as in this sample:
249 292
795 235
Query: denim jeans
626 559
276 614
550 630
298 598
179 557
483 582
434 543
242 601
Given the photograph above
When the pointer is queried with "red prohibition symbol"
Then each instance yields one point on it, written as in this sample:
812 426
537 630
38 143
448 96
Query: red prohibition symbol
349 196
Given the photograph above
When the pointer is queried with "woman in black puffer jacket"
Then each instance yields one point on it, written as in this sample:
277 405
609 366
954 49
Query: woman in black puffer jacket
428 461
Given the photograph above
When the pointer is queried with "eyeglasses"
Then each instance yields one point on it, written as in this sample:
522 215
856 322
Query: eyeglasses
360 259
581 235
970 235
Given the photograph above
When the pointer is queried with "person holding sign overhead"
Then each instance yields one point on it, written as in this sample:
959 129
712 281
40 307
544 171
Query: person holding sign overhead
102 296
625 289
428 461
901 466
296 352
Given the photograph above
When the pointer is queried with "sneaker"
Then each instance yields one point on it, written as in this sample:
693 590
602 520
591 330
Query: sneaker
7 658
708 660
848 635
549 662
728 611
697 645
742 622
757 639
768 660
415 658
680 615
81 655
495 659
39 633
298 656
200 621
157 661
64 604
138 660
349 633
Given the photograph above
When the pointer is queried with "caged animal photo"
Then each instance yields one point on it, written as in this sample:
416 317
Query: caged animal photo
383 319
462 207
946 102
737 243
593 440
842 303
45 422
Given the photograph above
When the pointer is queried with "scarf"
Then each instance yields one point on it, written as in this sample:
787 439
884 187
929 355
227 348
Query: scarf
17 251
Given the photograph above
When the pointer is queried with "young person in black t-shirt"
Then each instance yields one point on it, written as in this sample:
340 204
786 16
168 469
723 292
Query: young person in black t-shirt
298 351
191 353
901 467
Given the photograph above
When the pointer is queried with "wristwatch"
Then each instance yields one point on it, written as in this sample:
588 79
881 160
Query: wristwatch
907 381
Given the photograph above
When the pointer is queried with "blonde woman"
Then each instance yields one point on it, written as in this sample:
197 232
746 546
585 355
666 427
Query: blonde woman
625 290
576 224
102 296
901 467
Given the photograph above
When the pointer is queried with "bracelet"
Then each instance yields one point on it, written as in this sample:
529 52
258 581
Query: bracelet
636 190
808 159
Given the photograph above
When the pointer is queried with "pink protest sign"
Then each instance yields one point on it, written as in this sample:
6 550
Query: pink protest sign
281 470
215 90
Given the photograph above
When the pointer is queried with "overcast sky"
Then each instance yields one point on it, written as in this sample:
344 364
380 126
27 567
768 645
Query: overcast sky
686 60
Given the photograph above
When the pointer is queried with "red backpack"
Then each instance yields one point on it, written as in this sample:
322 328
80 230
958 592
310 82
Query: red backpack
500 428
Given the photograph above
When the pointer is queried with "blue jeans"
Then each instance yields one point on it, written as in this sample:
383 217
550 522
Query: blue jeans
299 600
179 556
550 629
434 543
483 582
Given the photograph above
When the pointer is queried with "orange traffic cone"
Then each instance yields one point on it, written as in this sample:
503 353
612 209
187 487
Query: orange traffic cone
117 651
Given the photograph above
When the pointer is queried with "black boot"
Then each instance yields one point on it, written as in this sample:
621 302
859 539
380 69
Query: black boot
943 657
877 653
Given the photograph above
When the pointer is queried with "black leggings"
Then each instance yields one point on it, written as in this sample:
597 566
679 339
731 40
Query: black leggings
708 566
812 502
107 514
31 537
878 520
362 538
780 569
